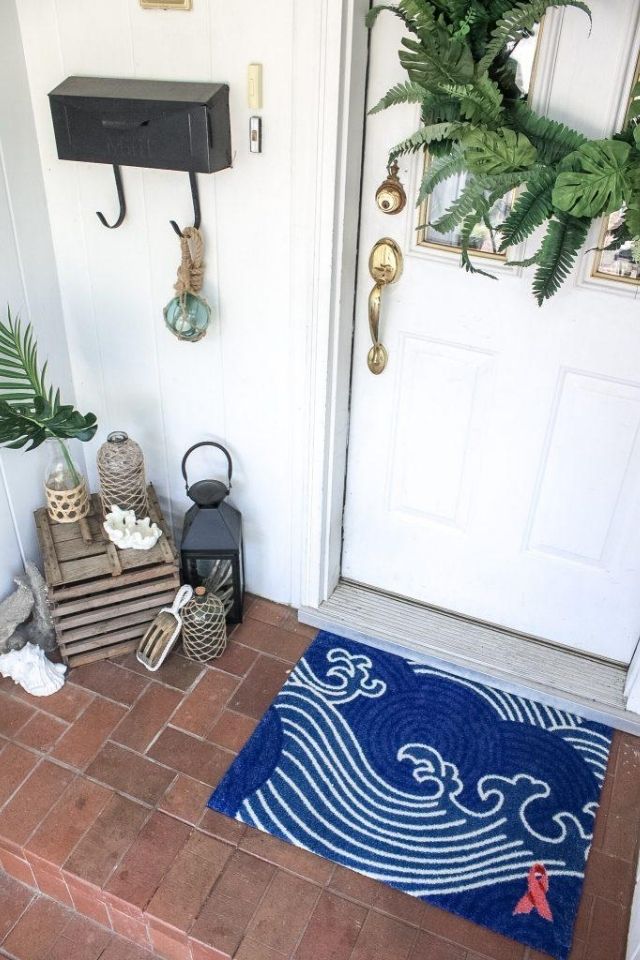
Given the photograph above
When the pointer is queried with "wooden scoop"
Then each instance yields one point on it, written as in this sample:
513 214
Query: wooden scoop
157 642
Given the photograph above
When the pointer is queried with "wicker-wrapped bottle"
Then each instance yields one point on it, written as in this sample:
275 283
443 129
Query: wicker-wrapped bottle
122 475
204 626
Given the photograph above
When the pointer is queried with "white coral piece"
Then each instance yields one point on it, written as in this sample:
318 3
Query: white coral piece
30 668
127 533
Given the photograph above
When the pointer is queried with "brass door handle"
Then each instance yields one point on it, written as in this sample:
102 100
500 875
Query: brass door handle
385 267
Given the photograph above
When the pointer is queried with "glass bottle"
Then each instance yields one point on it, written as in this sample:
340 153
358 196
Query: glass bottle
65 487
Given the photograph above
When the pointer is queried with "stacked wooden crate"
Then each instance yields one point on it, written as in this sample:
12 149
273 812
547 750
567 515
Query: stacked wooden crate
103 599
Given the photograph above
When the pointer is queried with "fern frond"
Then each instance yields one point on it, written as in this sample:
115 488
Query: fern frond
530 210
407 92
518 23
440 170
480 102
423 137
472 196
438 62
560 247
553 140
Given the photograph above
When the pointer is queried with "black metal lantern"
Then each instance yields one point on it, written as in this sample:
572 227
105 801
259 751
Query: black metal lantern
211 547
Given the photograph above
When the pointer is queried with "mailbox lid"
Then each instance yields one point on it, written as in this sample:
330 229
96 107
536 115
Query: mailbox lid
144 123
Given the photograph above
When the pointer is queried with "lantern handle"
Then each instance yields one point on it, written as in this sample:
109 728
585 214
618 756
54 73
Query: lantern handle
206 443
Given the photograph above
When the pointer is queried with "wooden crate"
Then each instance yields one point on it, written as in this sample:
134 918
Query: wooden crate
103 599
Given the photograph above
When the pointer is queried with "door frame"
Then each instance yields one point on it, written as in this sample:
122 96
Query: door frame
328 111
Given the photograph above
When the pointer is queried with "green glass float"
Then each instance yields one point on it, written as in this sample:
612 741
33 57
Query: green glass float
188 316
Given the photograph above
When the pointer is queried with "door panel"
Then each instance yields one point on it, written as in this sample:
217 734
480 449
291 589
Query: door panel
494 466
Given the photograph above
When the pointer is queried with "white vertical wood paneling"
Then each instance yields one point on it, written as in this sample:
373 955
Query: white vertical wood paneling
28 283
237 385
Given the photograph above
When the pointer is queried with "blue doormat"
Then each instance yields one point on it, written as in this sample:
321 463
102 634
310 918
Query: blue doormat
477 801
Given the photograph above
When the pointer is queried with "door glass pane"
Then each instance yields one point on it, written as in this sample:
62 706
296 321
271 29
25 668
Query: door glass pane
616 264
483 240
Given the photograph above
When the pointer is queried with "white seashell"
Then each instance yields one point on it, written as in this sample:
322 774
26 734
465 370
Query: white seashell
30 668
127 533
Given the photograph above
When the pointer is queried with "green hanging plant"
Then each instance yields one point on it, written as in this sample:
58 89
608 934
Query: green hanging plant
30 411
475 119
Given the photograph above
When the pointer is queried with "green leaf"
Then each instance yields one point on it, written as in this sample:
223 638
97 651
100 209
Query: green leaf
518 23
423 137
29 410
440 61
552 140
636 135
407 92
530 210
498 151
597 184
560 247
438 171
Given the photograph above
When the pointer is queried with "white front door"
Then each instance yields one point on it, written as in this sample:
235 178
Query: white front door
494 466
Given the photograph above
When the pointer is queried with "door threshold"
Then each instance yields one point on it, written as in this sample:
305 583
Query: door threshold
555 675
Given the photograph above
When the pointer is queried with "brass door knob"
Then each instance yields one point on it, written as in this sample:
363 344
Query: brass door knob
385 266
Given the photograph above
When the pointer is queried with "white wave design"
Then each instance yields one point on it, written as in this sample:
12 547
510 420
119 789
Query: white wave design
325 795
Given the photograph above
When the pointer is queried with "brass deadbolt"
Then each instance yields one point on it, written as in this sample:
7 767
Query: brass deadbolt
390 195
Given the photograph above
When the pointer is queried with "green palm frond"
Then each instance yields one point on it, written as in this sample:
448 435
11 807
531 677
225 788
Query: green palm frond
29 410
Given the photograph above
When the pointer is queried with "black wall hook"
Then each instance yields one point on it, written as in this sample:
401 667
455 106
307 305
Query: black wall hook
123 207
193 183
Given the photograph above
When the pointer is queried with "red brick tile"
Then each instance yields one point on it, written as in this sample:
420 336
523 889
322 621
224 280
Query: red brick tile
130 773
197 758
303 629
186 799
235 898
607 933
176 671
129 927
147 717
281 929
15 766
333 930
76 810
183 890
261 685
80 940
50 881
354 885
257 608
217 825
625 796
84 738
67 704
168 947
106 841
201 708
429 947
383 936
120 949
27 808
41 732
13 715
470 935
583 918
232 730
237 659
89 906
110 681
17 868
620 838
14 900
274 640
609 878
400 905
37 930
286 856
148 860
252 950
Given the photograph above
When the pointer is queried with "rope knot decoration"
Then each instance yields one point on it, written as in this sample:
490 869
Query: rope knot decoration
188 314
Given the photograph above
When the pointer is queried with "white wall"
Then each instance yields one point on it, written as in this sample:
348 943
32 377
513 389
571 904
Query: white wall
237 385
28 283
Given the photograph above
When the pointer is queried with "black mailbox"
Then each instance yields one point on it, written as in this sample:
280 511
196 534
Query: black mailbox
143 123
